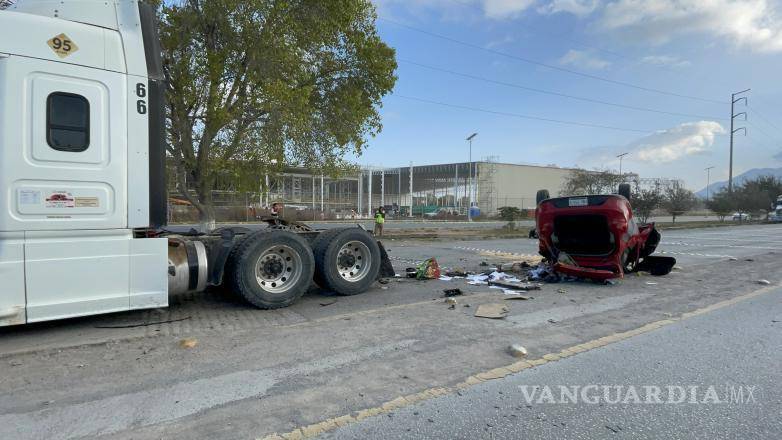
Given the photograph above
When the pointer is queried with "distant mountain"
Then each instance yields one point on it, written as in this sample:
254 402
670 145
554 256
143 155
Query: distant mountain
738 180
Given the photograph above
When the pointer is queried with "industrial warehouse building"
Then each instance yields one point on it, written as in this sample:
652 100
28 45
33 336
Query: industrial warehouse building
441 188
435 187
418 189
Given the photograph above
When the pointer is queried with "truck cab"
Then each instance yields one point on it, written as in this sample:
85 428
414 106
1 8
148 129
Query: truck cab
81 154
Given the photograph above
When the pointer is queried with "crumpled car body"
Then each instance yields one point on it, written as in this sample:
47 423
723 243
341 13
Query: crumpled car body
593 236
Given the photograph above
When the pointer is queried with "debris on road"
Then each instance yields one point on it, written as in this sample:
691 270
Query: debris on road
452 292
428 270
456 273
764 282
411 272
517 350
517 296
451 301
328 303
515 267
512 285
188 343
492 311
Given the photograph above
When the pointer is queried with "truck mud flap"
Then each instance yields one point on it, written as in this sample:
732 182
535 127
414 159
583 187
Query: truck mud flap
386 268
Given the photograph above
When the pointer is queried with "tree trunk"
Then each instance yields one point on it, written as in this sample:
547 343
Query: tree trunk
206 212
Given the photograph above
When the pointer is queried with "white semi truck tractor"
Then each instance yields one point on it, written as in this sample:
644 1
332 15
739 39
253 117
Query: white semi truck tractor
82 181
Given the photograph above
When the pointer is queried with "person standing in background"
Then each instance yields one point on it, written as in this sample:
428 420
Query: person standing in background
380 219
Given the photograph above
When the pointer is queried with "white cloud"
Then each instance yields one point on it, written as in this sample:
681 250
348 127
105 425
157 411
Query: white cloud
584 60
664 60
753 24
581 8
500 9
674 143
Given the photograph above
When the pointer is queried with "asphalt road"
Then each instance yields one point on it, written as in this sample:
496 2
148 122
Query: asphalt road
736 350
688 246
255 372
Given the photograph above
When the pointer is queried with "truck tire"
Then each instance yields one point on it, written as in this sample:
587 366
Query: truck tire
624 190
270 269
347 260
541 196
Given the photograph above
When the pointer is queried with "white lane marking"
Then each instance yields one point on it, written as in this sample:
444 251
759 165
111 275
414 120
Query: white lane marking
693 254
495 251
156 405
741 246
403 260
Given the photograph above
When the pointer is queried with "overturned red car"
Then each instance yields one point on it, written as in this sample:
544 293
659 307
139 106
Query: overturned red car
596 236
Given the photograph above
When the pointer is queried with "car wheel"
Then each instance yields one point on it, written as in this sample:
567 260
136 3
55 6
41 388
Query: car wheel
542 195
625 190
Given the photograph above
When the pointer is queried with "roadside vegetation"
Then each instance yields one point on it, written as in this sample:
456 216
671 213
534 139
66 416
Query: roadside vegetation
258 85
754 198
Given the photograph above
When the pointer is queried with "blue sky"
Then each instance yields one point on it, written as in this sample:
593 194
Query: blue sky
705 49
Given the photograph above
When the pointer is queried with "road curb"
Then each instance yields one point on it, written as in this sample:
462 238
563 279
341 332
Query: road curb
330 424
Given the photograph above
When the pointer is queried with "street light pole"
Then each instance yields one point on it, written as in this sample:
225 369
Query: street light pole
469 208
708 181
621 156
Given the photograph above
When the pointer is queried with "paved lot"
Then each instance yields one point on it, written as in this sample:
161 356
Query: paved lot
405 224
736 350
688 246
255 372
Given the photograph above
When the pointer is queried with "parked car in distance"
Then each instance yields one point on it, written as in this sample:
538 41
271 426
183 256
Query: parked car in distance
740 216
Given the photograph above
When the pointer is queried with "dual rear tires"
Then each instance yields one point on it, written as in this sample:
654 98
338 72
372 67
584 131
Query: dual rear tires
272 269
347 260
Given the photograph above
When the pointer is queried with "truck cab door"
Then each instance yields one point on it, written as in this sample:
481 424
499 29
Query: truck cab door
64 166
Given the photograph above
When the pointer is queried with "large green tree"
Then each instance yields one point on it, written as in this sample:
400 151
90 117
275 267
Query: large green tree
582 182
678 200
252 81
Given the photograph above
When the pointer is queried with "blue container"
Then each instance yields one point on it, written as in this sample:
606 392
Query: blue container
475 211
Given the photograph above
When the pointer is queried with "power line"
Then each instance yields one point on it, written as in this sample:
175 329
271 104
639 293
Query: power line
756 112
522 116
757 127
554 93
549 66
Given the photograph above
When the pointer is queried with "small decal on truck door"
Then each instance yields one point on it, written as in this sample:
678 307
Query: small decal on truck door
62 45
60 199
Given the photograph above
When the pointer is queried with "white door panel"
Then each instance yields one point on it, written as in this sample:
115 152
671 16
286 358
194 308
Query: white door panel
12 299
51 188
76 274
148 273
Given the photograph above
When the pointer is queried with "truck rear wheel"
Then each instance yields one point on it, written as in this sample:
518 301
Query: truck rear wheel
347 260
270 269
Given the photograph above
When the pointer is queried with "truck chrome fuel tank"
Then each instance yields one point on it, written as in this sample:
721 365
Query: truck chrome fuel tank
187 266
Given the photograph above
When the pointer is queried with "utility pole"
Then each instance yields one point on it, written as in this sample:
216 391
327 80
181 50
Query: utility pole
621 156
733 116
708 181
469 208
